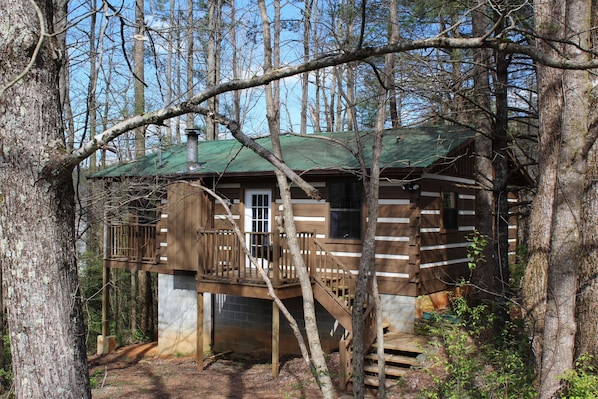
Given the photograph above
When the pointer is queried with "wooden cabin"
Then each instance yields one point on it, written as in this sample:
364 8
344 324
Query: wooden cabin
211 296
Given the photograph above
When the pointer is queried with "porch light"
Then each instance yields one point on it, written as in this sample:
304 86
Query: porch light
411 186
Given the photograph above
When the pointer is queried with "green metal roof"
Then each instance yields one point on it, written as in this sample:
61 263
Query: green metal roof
413 147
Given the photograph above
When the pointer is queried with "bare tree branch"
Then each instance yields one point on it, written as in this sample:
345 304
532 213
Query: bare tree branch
159 116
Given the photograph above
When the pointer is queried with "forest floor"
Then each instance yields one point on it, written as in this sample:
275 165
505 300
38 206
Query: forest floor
137 372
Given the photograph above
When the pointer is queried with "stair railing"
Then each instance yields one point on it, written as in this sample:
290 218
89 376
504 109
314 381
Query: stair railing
330 273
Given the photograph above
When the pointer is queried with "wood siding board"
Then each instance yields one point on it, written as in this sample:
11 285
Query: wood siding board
314 210
296 193
468 220
393 247
395 266
394 211
393 229
230 193
438 255
441 278
394 286
452 237
430 221
318 227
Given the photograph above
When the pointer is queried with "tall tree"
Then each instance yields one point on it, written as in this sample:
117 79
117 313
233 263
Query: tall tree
271 60
587 303
213 62
395 35
552 277
141 282
484 173
37 230
305 77
190 124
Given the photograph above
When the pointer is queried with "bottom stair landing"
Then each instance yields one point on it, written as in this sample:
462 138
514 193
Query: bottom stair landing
401 352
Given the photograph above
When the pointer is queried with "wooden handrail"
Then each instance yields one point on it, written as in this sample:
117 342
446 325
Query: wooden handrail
222 257
337 278
333 273
134 242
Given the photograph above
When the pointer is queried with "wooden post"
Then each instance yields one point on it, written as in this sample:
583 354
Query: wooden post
275 258
105 301
105 343
313 256
106 280
275 340
199 332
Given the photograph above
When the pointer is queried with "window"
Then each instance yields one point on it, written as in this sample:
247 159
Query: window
345 210
450 210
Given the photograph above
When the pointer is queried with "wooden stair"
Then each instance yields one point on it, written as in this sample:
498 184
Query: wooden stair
402 351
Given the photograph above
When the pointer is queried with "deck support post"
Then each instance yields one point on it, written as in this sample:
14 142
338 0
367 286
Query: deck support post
106 279
105 301
199 332
105 342
275 340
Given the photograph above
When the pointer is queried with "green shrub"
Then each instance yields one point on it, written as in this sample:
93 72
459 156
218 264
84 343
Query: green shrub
6 371
582 382
473 367
477 363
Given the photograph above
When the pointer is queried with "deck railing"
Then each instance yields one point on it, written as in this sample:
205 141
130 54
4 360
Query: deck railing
133 242
222 257
333 274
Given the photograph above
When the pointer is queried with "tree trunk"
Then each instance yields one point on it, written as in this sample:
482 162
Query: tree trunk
273 115
305 76
587 303
190 123
139 71
213 73
394 103
37 231
587 298
3 357
540 233
500 166
169 64
567 134
133 305
236 111
484 173
146 303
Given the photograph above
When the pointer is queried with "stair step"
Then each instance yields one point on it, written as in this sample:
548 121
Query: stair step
371 381
403 342
389 371
390 358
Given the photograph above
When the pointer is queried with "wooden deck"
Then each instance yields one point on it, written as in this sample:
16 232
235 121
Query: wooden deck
405 342
223 265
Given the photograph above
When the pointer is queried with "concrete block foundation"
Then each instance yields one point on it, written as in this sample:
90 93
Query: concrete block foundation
106 344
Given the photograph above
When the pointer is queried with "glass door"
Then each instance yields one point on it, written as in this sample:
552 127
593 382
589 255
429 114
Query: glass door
258 223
